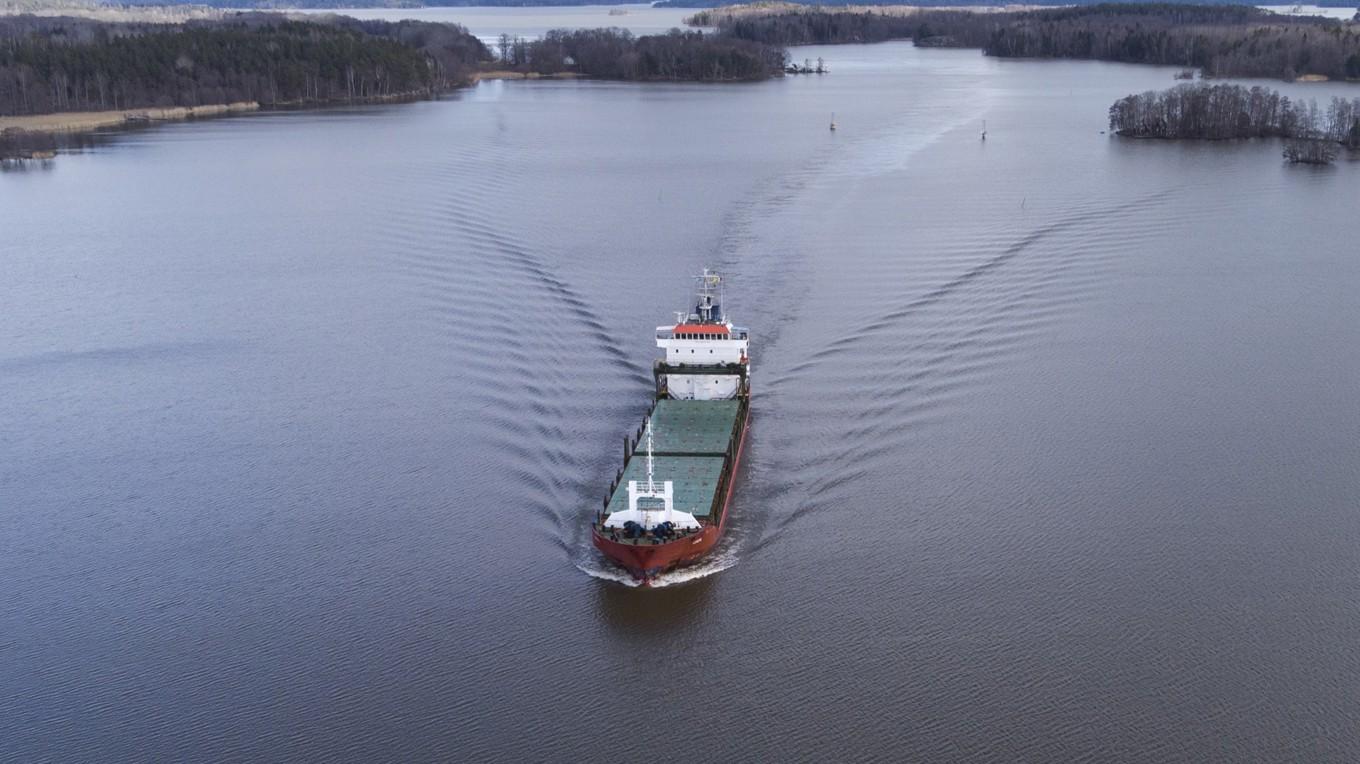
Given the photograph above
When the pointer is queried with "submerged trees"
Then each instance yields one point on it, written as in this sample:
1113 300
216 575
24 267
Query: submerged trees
1309 151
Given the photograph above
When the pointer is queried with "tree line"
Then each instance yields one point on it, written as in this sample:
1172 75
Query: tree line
1221 112
618 55
284 5
1223 41
64 64
953 3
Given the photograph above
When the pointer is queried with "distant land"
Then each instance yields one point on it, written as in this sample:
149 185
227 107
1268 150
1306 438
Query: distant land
1219 40
102 73
32 6
107 74
971 3
19 6
63 64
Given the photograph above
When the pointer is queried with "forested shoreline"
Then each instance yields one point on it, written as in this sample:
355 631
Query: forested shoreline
54 65
50 65
617 54
1222 41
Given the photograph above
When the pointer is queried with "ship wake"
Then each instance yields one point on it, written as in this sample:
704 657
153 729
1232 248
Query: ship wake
715 562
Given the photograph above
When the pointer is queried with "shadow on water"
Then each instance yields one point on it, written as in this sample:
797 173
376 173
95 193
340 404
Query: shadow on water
22 145
634 611
17 145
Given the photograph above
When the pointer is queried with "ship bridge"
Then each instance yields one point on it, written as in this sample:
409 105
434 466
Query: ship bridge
704 338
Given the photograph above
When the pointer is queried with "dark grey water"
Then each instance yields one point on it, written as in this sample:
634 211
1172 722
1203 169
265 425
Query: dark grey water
1053 454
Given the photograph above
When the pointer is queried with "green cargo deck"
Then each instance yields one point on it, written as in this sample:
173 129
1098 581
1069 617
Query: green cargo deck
695 480
690 440
698 428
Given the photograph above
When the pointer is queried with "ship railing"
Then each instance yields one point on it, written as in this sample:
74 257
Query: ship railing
616 535
730 456
630 445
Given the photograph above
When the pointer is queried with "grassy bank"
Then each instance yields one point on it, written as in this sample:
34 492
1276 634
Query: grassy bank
88 121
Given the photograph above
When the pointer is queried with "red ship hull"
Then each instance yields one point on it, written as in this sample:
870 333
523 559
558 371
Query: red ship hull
647 561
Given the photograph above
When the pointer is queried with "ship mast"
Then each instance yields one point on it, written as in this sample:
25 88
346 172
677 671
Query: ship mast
651 483
706 283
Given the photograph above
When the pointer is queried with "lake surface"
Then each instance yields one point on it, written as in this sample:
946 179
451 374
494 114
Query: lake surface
488 24
1053 453
1312 10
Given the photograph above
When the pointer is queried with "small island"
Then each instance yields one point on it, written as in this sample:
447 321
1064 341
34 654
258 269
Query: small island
616 54
1226 112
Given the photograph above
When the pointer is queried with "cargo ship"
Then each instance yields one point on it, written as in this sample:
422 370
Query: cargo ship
667 506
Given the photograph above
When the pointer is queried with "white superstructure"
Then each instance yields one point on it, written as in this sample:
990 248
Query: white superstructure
704 337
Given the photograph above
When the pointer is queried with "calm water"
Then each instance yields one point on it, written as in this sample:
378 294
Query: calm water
490 23
1053 455
1312 10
